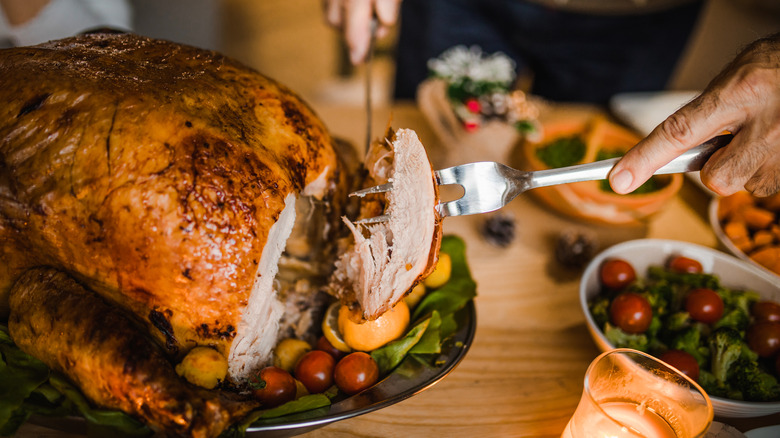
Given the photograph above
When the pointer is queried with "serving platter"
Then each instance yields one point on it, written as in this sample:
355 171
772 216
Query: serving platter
409 378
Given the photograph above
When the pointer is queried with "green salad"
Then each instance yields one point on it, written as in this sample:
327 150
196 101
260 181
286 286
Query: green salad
727 340
28 387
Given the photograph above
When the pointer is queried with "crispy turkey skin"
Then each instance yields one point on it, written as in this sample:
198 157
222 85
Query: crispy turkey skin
157 174
64 325
155 197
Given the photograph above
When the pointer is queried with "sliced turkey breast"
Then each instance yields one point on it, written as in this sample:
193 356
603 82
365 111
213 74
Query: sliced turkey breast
389 258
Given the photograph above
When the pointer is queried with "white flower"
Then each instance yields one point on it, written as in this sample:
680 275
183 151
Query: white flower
460 63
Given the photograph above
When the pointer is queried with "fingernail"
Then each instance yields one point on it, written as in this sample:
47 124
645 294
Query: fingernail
358 53
621 181
355 57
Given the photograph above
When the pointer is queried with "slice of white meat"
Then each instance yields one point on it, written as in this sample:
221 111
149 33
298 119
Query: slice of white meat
256 333
389 258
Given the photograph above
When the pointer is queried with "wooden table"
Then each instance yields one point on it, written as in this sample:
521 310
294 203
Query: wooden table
523 374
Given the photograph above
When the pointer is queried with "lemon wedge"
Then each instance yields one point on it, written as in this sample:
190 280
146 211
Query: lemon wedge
330 328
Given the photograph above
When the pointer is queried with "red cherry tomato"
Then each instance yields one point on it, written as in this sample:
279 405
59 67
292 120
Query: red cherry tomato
631 312
683 361
766 311
356 372
273 386
685 265
324 344
704 305
315 370
617 274
764 338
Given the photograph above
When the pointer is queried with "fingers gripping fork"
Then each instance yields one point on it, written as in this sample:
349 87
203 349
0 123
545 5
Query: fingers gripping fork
489 186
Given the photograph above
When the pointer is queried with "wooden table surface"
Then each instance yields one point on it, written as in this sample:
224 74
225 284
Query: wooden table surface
523 374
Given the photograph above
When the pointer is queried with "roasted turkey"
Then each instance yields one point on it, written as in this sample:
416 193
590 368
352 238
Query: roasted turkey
197 201
56 320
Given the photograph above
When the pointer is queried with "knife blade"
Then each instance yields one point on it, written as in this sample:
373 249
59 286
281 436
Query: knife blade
368 68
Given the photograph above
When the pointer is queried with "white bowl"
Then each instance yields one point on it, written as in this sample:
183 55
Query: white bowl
726 242
732 272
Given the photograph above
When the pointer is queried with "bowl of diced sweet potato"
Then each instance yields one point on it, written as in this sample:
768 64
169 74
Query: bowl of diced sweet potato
749 227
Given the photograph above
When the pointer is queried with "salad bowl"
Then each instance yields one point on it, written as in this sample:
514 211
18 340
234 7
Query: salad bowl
732 272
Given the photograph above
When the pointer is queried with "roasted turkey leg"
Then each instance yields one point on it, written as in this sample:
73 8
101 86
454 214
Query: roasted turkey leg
75 332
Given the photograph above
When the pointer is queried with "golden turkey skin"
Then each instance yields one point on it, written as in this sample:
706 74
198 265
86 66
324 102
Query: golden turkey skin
164 178
59 322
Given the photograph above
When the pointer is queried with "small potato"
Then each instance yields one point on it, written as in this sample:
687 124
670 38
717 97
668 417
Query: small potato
414 297
288 351
203 366
441 274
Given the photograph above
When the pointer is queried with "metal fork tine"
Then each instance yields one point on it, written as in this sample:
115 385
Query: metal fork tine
488 185
447 176
376 189
374 220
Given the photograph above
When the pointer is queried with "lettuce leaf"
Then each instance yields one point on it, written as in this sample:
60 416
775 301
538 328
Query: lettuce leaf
119 423
434 316
458 291
389 356
20 375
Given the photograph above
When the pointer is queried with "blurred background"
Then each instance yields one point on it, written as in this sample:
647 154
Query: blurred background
289 40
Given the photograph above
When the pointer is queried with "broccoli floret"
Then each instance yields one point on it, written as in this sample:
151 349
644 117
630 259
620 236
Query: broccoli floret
658 296
599 308
739 299
711 385
753 382
690 341
678 321
701 280
726 347
621 339
736 319
655 326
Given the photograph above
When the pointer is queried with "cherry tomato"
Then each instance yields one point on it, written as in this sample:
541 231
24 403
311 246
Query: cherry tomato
631 312
356 372
764 338
315 370
273 386
766 311
685 265
704 305
683 361
324 344
617 274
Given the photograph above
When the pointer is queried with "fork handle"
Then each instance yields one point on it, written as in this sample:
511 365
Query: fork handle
689 161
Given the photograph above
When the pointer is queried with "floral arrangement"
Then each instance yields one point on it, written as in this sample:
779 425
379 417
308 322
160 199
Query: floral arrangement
479 87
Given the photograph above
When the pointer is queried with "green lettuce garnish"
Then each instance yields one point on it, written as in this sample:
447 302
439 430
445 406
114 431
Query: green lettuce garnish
20 375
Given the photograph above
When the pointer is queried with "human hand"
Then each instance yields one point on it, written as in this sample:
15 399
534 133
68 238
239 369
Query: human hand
743 99
353 17
19 12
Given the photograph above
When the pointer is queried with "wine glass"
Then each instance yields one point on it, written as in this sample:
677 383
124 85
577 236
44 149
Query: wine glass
628 393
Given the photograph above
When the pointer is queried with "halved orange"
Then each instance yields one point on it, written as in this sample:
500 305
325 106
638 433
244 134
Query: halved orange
363 335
